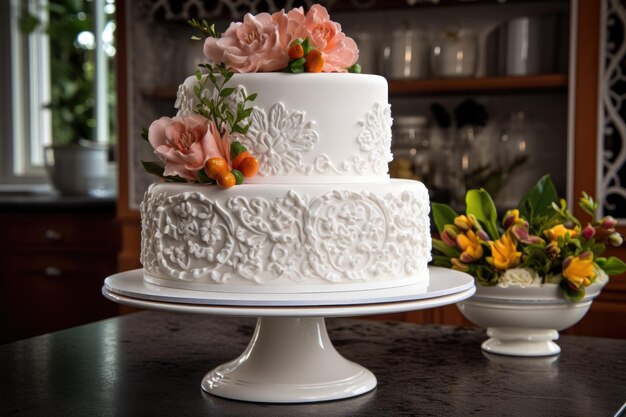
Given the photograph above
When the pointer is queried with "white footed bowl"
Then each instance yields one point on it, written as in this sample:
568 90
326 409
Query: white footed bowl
525 321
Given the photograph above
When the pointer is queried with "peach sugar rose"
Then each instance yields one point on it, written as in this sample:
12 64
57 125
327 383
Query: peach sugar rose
186 143
258 44
261 43
340 51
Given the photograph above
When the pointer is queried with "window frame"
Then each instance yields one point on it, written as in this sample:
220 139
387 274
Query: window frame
25 122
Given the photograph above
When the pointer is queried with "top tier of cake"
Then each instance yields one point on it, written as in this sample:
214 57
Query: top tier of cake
311 128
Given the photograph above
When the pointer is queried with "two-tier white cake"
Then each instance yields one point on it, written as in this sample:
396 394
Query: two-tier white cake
322 214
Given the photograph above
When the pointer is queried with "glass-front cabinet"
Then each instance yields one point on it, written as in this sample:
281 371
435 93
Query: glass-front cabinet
491 94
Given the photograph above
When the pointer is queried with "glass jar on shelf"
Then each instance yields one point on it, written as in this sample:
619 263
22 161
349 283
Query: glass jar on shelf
368 51
464 163
411 149
454 53
513 152
408 53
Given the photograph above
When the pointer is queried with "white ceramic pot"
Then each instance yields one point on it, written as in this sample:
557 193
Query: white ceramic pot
525 321
79 169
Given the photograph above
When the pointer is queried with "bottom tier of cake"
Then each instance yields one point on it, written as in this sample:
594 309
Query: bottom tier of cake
286 238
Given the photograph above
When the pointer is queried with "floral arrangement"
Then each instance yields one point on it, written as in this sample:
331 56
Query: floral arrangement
539 242
198 148
291 41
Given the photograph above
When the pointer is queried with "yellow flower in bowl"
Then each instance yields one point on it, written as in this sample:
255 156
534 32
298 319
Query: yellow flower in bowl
579 270
538 268
554 233
504 253
469 243
540 235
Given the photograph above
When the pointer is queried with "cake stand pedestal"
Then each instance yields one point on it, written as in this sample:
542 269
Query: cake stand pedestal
290 358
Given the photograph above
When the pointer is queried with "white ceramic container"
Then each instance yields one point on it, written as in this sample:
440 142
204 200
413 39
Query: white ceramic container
79 169
525 321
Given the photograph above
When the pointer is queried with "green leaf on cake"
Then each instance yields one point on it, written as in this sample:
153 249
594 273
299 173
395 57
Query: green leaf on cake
236 148
227 92
153 168
239 129
355 69
207 30
306 46
204 178
297 65
246 113
230 117
157 169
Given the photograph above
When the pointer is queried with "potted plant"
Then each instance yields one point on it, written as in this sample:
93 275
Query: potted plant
537 269
76 164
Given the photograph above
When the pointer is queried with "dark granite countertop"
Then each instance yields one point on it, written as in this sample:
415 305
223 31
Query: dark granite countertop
52 200
151 364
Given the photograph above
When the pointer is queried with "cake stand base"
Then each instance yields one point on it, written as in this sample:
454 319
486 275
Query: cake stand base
521 341
289 360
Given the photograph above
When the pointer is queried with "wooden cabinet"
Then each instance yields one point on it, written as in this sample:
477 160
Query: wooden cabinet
579 88
53 263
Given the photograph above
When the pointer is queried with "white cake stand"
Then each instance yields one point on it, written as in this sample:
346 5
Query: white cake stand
290 358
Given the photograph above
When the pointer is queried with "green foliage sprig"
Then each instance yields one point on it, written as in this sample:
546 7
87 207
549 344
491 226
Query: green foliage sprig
217 108
227 108
208 30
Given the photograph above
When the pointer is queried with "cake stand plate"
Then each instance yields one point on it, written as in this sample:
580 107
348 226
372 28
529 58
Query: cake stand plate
290 358
442 282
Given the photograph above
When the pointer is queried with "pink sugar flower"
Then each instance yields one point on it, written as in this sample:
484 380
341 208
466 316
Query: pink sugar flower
258 44
339 50
296 28
186 143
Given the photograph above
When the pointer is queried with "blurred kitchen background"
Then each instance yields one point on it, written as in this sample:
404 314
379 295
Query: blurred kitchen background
484 93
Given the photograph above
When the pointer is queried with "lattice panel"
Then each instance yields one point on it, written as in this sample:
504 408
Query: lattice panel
612 181
211 9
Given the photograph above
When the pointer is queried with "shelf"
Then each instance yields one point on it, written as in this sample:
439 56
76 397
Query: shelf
498 85
160 92
502 85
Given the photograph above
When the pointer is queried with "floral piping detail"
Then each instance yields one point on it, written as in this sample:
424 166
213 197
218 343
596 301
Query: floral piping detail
279 139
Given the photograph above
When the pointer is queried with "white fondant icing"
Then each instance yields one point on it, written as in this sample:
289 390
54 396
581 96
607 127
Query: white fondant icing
322 215
279 139
286 236
310 124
